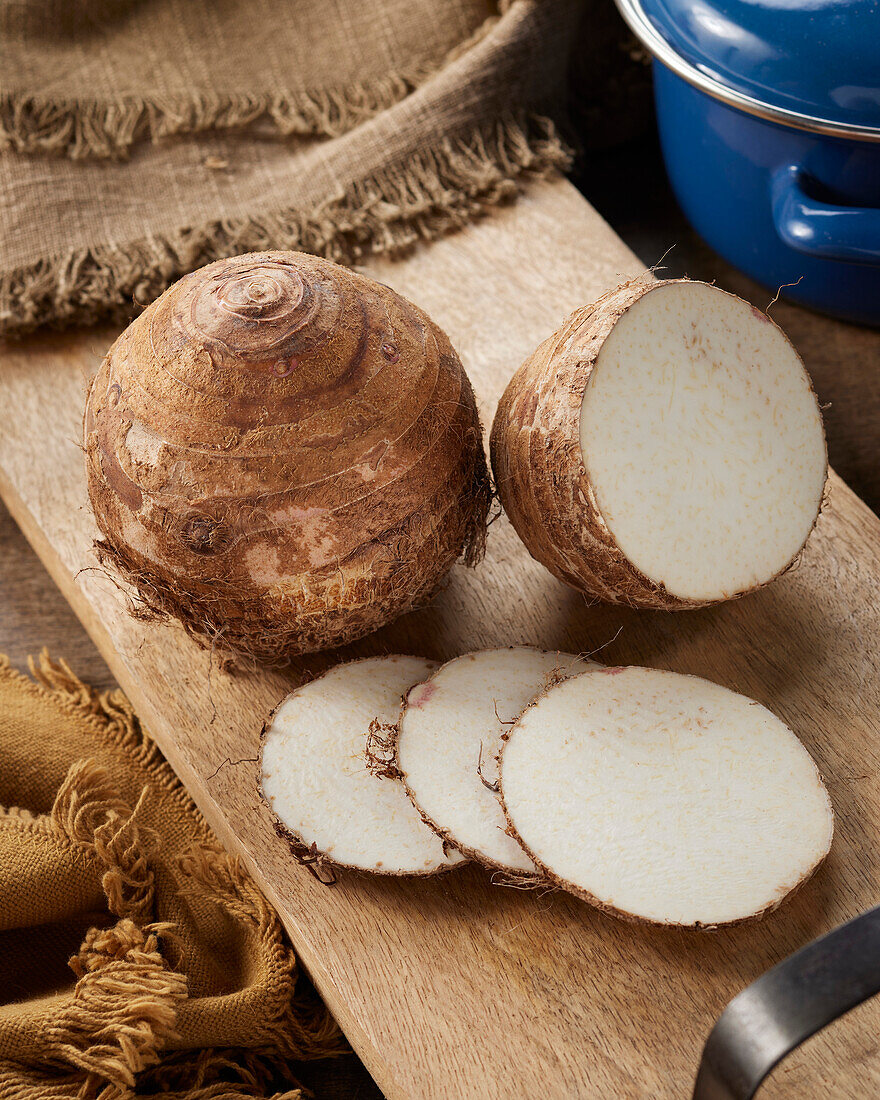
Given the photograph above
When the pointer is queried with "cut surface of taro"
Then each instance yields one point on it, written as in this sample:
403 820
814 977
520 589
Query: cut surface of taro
314 774
703 442
450 734
664 798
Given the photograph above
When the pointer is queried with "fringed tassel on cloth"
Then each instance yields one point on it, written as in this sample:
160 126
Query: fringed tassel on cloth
110 710
89 813
125 1000
109 1039
124 1008
218 1075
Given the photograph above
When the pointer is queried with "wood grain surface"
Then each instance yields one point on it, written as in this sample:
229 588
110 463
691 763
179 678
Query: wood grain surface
458 988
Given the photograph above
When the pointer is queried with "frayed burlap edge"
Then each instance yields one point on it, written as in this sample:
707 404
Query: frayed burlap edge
434 193
109 1041
84 129
90 814
97 129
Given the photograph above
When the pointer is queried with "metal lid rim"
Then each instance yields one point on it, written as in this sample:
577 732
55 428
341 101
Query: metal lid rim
645 31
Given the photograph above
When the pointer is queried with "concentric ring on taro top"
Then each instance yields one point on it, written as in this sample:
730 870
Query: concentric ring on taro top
253 311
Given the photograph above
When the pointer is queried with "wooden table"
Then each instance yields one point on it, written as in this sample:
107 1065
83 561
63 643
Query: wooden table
32 613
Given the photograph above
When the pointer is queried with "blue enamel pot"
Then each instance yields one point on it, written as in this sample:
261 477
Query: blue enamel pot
769 119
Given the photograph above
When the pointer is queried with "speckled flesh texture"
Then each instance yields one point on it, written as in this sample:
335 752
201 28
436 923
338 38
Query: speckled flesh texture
284 455
664 798
449 738
315 778
663 449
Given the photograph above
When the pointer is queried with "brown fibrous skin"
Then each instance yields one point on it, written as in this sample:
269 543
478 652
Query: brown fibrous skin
539 469
284 455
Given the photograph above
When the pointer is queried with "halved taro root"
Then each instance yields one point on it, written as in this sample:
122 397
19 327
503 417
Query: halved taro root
449 737
664 798
315 778
664 449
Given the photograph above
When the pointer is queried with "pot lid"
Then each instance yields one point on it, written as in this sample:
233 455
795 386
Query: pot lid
802 61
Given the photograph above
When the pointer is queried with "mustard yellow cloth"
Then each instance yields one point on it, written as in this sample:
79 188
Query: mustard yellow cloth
134 953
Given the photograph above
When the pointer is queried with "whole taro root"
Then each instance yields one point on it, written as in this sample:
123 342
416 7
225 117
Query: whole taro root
284 455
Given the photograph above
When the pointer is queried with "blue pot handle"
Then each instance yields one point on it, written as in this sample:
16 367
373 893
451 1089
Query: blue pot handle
849 233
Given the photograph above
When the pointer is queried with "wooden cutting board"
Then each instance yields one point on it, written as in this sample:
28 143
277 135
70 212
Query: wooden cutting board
458 988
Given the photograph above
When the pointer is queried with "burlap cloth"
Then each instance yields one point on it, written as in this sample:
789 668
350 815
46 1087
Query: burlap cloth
144 138
133 951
